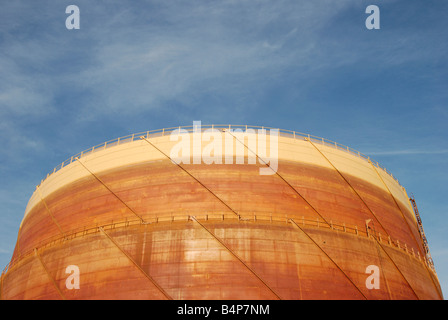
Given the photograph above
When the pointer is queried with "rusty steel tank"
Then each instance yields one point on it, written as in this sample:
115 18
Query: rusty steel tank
220 212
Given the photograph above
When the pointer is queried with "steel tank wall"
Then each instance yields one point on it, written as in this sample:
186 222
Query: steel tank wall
140 226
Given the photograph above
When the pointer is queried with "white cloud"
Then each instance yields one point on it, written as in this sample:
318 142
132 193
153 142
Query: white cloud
3 251
136 58
185 51
407 152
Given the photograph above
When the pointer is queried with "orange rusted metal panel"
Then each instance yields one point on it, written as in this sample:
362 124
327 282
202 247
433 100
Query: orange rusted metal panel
297 234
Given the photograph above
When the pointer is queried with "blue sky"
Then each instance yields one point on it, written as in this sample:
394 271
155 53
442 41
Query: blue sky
308 66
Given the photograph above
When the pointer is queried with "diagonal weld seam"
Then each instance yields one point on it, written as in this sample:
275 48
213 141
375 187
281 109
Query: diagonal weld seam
328 256
409 227
197 180
396 203
382 269
49 275
281 177
49 212
113 193
236 256
369 210
349 184
136 265
398 269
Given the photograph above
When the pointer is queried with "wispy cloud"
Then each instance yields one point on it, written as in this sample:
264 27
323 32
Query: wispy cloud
140 58
407 152
3 251
131 59
211 48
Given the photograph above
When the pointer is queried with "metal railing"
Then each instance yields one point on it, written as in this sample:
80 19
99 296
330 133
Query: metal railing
168 131
305 222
